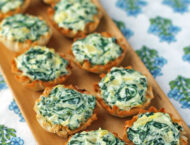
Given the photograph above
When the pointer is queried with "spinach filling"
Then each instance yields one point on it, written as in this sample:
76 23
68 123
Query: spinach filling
67 107
22 27
41 63
74 14
97 137
154 129
10 5
125 88
95 48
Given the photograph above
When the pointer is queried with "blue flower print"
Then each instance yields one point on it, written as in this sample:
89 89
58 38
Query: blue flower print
17 141
152 60
180 91
174 93
126 32
160 61
164 29
8 136
179 6
13 107
186 56
2 83
132 7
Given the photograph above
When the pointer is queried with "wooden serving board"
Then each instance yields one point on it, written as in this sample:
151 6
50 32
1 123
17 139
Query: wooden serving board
25 98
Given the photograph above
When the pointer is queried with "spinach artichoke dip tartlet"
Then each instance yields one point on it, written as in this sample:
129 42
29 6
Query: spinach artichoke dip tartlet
10 7
123 91
40 67
65 110
75 17
153 127
98 52
95 137
21 31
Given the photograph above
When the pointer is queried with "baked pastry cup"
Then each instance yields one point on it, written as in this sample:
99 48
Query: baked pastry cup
21 31
40 67
154 127
65 110
98 52
50 1
98 137
74 18
123 91
9 8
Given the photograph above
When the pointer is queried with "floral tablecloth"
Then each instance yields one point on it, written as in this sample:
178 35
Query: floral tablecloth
159 31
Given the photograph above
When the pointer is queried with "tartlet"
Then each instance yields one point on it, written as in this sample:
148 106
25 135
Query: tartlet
74 18
11 7
21 31
123 92
40 67
98 137
98 52
50 1
154 127
65 110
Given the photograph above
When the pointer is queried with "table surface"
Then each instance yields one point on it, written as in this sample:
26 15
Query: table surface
159 31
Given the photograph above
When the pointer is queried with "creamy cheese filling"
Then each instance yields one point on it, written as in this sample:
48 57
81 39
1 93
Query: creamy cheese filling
22 27
154 129
41 63
124 88
97 137
66 107
95 48
9 5
74 14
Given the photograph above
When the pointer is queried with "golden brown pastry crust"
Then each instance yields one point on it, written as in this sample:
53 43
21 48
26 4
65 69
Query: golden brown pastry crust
128 124
115 134
115 111
17 10
90 27
21 46
101 68
38 85
60 130
50 1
